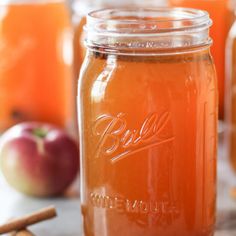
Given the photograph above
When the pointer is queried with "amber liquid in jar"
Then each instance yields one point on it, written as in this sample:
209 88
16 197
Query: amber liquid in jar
35 63
148 143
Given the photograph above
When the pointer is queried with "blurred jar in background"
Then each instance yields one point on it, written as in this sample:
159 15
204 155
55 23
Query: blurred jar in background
35 63
221 14
230 95
80 10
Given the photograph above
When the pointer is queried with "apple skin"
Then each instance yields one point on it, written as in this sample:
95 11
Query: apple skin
38 159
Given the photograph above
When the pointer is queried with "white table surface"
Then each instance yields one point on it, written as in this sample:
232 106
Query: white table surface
68 222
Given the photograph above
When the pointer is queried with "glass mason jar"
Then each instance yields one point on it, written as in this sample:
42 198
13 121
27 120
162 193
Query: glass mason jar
221 14
35 63
148 123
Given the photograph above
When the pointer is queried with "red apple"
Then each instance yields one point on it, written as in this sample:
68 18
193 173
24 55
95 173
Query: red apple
38 159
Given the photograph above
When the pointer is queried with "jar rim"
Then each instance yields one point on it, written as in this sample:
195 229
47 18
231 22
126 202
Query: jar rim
120 29
182 19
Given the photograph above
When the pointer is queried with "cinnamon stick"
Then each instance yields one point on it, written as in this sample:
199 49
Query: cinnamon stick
23 222
24 232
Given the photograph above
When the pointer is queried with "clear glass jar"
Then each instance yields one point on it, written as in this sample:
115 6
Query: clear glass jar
148 122
35 63
221 14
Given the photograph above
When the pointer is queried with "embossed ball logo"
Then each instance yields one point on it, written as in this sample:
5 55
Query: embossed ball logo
118 141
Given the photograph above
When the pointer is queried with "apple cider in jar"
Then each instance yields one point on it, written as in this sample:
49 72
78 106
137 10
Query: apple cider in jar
35 64
147 115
